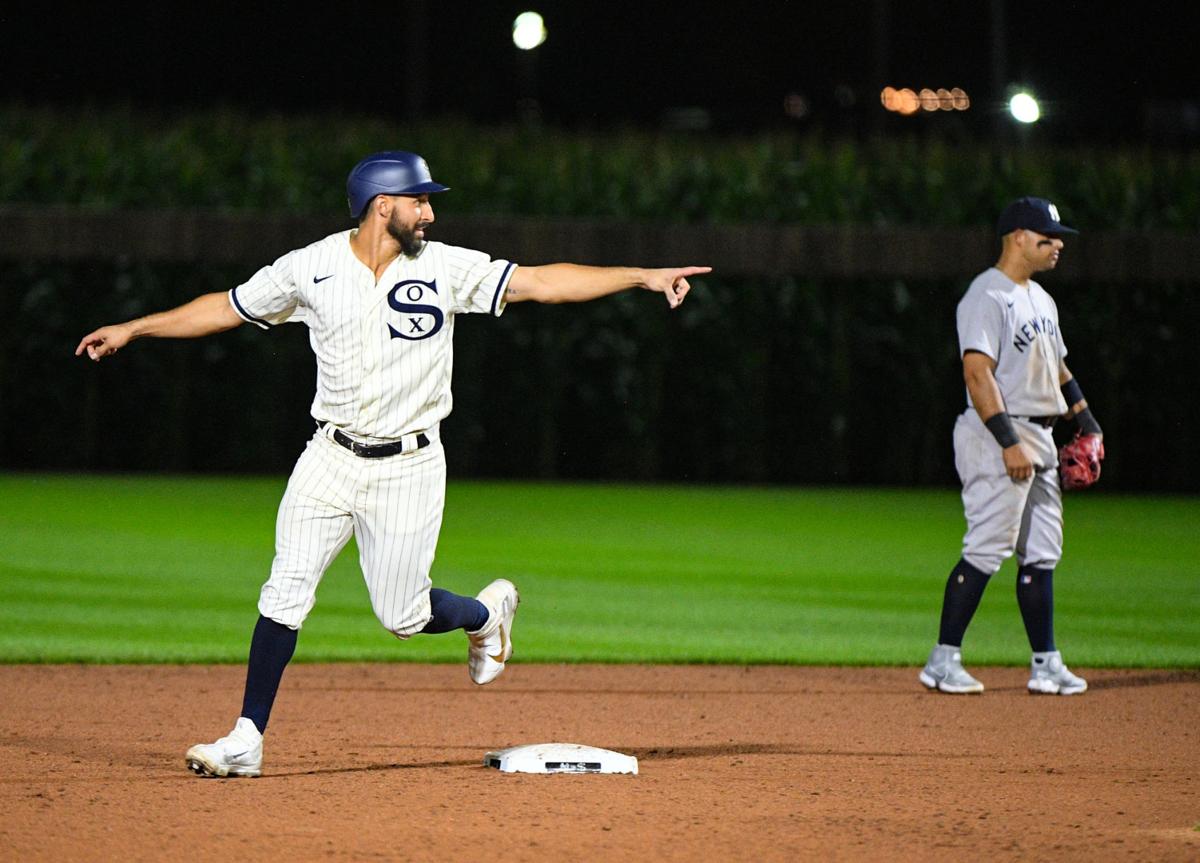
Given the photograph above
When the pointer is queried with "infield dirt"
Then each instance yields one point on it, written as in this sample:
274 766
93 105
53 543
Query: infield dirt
384 762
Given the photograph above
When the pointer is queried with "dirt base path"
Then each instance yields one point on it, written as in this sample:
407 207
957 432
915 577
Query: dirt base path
764 763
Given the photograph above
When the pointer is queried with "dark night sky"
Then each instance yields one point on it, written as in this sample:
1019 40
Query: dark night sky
1099 65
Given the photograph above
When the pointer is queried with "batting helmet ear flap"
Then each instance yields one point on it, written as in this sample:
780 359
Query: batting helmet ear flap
393 172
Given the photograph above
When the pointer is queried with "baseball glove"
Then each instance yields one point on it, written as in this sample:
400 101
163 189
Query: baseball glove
1079 460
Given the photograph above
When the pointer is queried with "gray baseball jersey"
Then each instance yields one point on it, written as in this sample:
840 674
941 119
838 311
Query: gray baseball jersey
1018 328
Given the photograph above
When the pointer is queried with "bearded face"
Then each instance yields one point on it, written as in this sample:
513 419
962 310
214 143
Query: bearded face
410 237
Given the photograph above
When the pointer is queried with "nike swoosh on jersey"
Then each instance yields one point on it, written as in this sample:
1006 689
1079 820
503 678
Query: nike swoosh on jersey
503 643
317 281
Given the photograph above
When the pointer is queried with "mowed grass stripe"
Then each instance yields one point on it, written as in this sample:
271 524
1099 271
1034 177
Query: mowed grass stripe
146 569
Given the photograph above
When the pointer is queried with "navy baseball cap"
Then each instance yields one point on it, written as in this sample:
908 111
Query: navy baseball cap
1034 214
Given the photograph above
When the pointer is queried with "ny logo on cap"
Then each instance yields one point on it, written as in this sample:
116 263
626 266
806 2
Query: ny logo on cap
1053 211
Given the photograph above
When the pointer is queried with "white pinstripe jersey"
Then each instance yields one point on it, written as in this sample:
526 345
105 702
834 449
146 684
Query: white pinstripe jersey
384 350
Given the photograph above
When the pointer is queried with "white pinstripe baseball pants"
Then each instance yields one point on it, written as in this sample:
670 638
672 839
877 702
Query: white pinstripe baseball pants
393 506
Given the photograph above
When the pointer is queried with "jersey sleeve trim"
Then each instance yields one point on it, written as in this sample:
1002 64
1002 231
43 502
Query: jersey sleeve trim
243 314
497 306
974 349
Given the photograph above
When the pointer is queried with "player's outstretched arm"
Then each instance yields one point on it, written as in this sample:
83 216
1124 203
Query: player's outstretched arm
575 283
207 314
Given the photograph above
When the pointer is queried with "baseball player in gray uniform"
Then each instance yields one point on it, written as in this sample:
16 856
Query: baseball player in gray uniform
1018 385
379 302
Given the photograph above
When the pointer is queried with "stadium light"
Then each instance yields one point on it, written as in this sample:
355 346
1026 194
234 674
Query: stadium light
529 31
908 102
1024 108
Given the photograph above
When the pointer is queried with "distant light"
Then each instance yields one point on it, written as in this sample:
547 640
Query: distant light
1024 108
796 106
529 31
909 102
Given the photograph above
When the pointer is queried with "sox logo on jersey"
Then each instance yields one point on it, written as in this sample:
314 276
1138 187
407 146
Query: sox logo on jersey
422 320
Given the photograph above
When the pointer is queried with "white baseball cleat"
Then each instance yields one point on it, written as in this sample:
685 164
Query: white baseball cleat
491 646
944 672
238 754
1049 676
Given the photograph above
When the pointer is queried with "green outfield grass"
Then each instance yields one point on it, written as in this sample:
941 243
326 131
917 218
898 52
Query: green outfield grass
151 569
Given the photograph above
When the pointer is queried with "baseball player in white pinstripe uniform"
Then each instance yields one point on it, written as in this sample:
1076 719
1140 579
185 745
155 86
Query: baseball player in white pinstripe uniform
380 304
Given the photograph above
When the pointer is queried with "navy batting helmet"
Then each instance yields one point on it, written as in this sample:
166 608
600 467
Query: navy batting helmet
393 172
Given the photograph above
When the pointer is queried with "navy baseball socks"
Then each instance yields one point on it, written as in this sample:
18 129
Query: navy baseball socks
273 644
1048 674
964 590
271 649
944 670
451 611
1035 597
239 753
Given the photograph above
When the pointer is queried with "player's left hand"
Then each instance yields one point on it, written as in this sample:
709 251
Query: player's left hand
672 282
1079 461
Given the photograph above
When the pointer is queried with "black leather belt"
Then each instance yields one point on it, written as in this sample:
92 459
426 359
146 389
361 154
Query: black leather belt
375 450
1045 422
